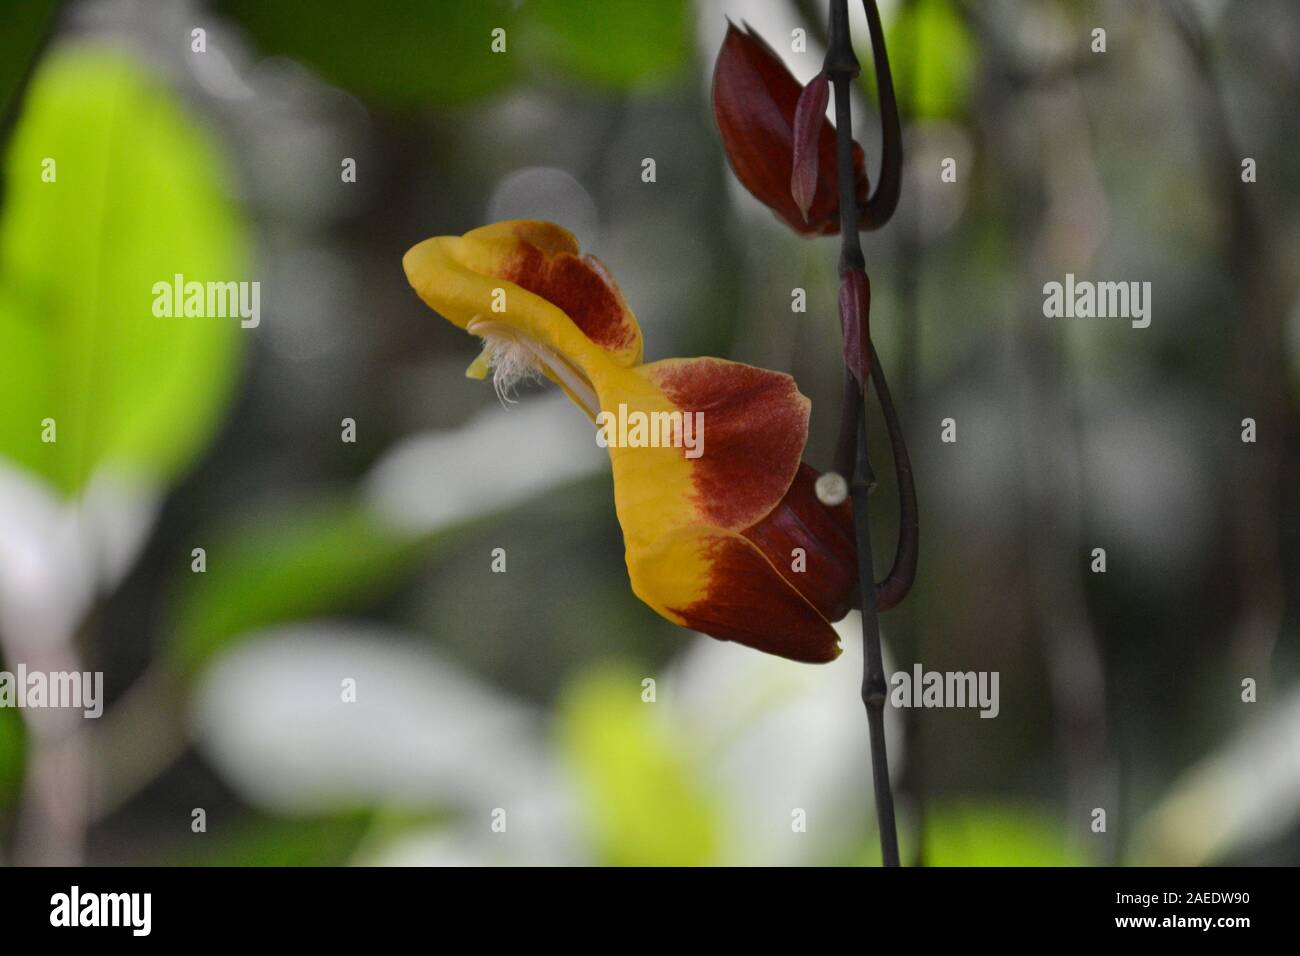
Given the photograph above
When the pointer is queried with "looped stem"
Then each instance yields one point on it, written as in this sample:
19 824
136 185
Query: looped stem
884 200
896 584
898 581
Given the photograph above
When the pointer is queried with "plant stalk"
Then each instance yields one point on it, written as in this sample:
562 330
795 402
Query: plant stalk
842 69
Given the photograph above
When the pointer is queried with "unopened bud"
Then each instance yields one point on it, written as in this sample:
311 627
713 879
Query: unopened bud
831 489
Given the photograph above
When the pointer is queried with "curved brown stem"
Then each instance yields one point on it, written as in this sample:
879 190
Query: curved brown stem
898 581
879 209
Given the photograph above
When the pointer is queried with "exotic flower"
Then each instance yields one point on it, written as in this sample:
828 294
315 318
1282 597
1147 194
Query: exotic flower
732 541
776 135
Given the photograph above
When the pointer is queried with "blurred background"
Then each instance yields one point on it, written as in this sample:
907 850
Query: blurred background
333 568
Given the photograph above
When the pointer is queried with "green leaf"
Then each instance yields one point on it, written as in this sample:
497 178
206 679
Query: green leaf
996 835
617 43
643 807
276 841
12 750
316 559
137 197
418 51
990 834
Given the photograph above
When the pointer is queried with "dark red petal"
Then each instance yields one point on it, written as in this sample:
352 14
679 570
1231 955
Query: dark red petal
755 426
755 99
580 286
830 570
855 310
809 118
749 603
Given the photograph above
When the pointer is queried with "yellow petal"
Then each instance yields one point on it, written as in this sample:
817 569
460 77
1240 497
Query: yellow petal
529 276
478 369
752 428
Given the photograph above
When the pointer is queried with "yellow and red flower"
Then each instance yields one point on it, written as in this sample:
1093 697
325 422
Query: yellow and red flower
733 543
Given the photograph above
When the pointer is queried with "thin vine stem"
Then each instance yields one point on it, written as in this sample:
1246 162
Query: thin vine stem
842 68
884 200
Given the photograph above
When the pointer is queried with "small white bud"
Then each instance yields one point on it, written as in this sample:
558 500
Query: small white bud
831 489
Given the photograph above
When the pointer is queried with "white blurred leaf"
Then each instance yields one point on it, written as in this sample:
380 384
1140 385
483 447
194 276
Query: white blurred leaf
772 735
421 734
1238 798
501 457
56 553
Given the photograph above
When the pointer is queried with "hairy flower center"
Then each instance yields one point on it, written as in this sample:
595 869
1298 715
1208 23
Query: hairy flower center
514 358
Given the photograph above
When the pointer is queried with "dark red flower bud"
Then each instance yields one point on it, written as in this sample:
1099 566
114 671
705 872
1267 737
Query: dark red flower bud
809 118
825 571
755 101
855 312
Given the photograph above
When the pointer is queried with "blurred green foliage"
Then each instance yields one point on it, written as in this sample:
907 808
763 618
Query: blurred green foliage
422 51
639 43
932 57
138 197
314 559
643 806
272 841
439 52
11 755
995 834
985 833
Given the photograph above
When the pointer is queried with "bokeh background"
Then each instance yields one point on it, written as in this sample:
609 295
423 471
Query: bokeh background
369 561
